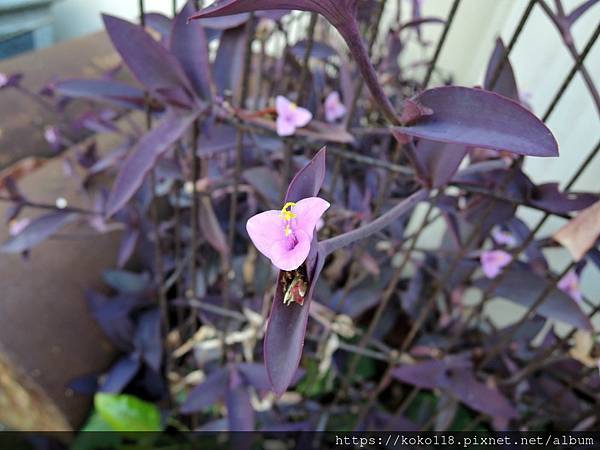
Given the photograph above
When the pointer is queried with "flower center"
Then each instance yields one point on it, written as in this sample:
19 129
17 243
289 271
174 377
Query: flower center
286 214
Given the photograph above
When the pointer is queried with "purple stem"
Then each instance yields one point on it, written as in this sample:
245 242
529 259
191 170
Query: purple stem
343 240
352 36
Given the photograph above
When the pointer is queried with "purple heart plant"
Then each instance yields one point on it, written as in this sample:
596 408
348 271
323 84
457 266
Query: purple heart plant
397 238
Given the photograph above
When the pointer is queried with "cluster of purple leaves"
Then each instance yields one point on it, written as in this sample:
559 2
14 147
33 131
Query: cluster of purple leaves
200 111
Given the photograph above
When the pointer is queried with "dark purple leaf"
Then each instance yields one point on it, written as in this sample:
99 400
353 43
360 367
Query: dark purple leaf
210 226
523 287
229 61
579 11
120 375
481 397
455 375
479 118
36 232
255 375
284 338
148 340
113 316
436 162
207 393
109 91
505 83
143 157
128 244
148 60
160 23
308 182
549 197
267 182
190 47
239 409
404 207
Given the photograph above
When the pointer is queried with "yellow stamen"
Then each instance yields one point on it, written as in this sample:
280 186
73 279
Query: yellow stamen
286 214
293 106
288 230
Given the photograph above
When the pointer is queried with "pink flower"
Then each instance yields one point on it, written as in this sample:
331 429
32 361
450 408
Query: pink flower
3 80
285 236
334 108
290 116
51 135
503 237
493 261
570 285
18 225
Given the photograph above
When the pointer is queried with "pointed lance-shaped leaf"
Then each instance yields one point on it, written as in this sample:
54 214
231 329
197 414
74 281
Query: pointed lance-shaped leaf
521 286
435 162
286 328
110 91
505 82
143 157
36 232
208 392
478 118
148 60
189 45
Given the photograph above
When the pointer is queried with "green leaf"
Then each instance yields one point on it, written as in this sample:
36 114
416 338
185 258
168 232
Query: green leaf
127 413
89 438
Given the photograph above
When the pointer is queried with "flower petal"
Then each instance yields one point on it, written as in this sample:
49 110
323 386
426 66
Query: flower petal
282 105
285 259
264 229
308 212
493 261
301 116
284 126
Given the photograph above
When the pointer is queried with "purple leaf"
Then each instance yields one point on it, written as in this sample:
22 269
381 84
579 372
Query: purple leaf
207 393
143 157
479 118
112 314
548 196
128 244
579 11
160 23
436 162
308 182
190 47
148 60
210 226
239 409
454 374
120 375
229 61
524 287
255 375
505 83
405 206
109 91
148 340
37 231
284 338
